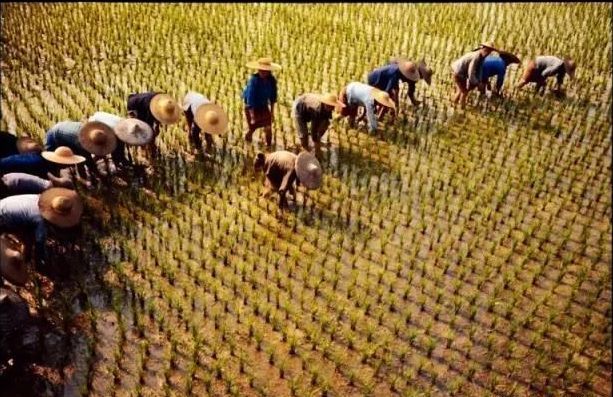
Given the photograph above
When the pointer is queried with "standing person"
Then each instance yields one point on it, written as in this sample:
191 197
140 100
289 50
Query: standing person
315 109
84 139
537 71
155 109
33 213
496 66
10 145
203 115
467 71
260 96
283 168
356 95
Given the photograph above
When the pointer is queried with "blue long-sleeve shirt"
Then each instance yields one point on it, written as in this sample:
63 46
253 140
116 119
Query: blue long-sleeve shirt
494 66
386 78
18 212
260 92
360 94
29 163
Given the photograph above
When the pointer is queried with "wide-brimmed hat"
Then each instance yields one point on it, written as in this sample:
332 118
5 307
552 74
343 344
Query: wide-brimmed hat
211 118
63 155
383 98
408 70
60 206
264 64
28 145
570 67
308 170
165 109
508 57
331 99
425 72
97 138
487 44
134 132
12 263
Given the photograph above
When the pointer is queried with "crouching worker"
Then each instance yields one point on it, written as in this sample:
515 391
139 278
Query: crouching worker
543 67
203 115
34 214
315 109
356 95
283 168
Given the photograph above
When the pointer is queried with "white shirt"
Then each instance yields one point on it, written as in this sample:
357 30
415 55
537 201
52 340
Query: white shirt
193 100
107 118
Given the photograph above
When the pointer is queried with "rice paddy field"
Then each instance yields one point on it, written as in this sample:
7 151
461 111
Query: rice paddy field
465 253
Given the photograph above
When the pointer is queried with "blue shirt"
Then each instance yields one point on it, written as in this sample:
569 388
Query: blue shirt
360 94
386 78
17 212
29 163
64 133
259 92
494 66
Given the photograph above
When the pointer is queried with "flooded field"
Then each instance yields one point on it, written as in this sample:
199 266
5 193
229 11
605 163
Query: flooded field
467 252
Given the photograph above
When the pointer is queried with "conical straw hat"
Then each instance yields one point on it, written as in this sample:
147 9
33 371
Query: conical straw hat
60 206
63 155
165 109
97 138
331 99
408 70
264 64
383 98
211 118
134 132
308 170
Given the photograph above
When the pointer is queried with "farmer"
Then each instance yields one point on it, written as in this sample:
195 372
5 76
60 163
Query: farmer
84 139
16 183
542 67
315 109
496 66
11 145
12 261
203 115
282 168
357 94
33 213
260 96
467 70
46 165
155 109
118 155
387 78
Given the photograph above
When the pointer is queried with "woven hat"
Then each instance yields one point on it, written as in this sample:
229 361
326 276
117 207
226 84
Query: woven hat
165 109
488 44
570 67
383 98
134 132
12 263
211 118
308 170
60 206
331 99
425 72
28 145
408 70
97 138
264 64
63 155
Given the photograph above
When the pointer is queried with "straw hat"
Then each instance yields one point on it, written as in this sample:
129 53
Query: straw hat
488 44
60 206
308 170
570 67
211 118
331 99
408 70
63 155
28 145
425 72
97 138
165 109
383 98
134 132
264 64
12 264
